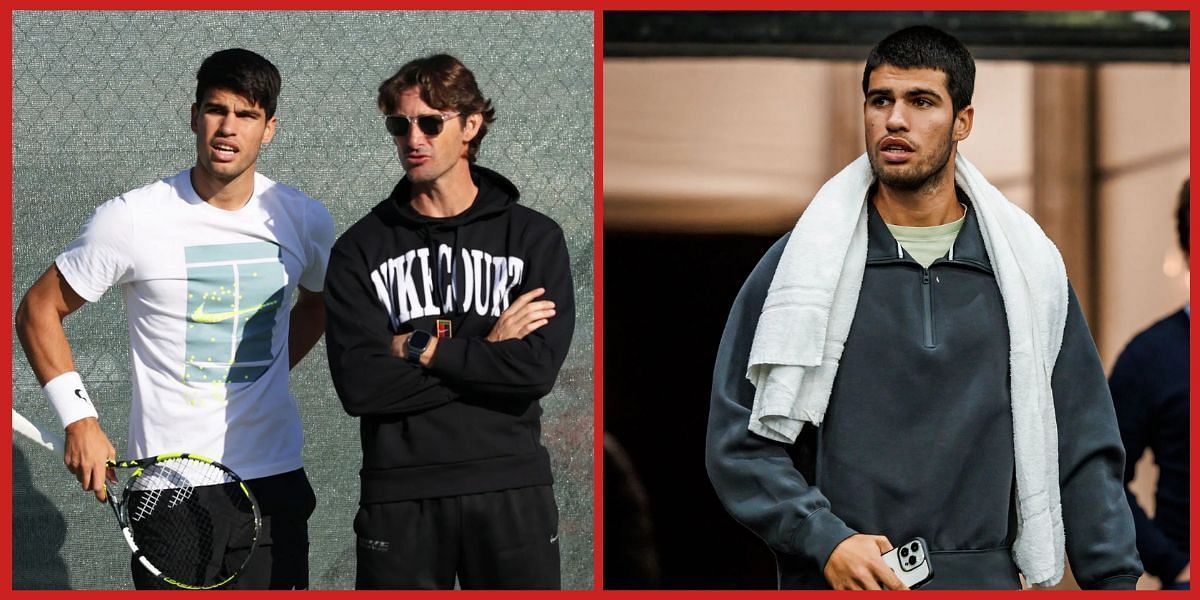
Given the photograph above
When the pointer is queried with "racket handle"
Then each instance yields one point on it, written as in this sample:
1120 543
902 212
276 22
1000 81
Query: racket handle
38 434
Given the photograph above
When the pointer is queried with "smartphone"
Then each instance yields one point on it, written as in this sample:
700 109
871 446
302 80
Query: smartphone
910 562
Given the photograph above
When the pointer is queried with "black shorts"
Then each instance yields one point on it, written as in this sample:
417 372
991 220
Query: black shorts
495 540
280 559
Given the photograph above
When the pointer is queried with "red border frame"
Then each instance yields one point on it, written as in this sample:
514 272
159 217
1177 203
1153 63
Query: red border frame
1194 369
598 305
364 5
597 7
6 300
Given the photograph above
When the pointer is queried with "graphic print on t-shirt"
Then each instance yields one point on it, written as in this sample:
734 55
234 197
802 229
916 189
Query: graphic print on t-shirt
234 292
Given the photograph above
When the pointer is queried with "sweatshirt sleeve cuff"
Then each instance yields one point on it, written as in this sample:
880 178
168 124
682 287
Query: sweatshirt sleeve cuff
819 534
1117 582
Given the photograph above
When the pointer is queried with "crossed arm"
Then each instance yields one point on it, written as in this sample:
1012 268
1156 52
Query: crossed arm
518 357
524 316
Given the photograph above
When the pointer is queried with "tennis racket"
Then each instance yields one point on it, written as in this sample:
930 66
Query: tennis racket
189 520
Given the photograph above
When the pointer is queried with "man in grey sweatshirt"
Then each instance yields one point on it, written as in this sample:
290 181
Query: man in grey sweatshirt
918 437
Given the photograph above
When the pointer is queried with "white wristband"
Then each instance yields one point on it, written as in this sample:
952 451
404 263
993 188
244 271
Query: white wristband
69 399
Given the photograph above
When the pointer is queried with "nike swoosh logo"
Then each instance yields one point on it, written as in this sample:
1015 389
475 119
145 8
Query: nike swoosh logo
554 539
82 396
200 316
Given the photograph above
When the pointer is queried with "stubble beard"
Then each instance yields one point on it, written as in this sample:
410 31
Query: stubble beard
421 176
430 172
916 177
223 172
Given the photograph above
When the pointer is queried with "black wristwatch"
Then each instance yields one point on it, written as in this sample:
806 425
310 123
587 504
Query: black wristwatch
417 342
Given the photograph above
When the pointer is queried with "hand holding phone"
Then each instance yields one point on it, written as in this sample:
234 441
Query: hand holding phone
857 564
910 562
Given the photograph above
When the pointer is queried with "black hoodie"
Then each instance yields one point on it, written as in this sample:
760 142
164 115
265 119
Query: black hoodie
470 422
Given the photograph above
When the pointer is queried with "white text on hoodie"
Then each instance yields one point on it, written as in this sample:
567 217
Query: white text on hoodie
404 284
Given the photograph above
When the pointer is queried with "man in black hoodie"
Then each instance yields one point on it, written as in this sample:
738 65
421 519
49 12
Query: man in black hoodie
1150 390
449 313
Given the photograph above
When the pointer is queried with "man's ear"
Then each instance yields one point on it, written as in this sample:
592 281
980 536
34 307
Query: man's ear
195 112
962 123
471 129
269 133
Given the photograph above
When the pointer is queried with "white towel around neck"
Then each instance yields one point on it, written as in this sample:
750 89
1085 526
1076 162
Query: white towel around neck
810 305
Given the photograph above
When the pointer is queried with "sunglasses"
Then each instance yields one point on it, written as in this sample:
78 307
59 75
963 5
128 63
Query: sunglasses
430 125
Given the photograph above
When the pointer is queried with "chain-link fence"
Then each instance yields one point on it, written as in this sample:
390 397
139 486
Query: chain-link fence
101 105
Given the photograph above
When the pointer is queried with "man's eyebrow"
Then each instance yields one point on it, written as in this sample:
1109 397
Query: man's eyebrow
256 110
920 91
916 91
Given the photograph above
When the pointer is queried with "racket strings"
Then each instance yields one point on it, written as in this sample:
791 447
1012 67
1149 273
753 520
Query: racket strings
186 515
146 506
180 474
178 478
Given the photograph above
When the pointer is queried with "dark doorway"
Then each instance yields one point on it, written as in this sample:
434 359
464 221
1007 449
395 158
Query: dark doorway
666 298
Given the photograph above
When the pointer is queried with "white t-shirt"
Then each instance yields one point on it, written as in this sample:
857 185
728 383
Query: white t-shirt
209 294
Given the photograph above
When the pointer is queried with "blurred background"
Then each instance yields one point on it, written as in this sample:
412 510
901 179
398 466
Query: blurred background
101 106
719 127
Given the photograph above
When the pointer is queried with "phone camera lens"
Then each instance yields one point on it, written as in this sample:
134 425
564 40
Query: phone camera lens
904 552
912 561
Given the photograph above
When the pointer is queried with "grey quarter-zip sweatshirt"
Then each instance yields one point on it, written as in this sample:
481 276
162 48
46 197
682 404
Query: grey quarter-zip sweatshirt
918 436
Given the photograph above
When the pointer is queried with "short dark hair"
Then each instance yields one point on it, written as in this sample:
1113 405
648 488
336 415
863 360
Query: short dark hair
445 84
925 47
242 72
1183 217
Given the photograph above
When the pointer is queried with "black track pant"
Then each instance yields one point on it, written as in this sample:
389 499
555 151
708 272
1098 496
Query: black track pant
280 560
495 540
